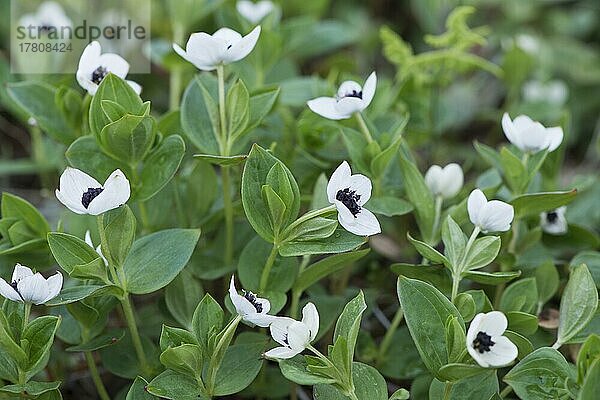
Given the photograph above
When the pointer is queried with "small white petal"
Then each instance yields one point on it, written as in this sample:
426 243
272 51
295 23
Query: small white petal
114 64
88 239
493 323
502 353
254 12
362 186
241 304
555 137
451 181
475 204
369 89
33 289
474 328
88 61
137 88
279 329
282 353
242 47
433 178
7 291
21 272
348 88
310 317
340 179
349 105
116 193
326 107
298 336
266 305
259 319
364 224
54 285
496 216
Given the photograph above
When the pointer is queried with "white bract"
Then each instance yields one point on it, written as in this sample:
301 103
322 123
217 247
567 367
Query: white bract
531 136
27 287
351 98
554 222
82 194
294 336
48 18
349 193
224 46
445 182
254 12
251 308
94 66
489 216
88 240
485 342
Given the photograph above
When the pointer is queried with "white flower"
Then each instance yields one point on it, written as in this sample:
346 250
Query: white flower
88 240
531 136
27 287
294 336
349 193
350 98
94 66
251 308
254 12
489 216
445 182
50 16
82 194
485 342
554 222
529 44
553 92
225 46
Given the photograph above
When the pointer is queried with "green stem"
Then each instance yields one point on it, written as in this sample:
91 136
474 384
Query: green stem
264 278
309 215
436 221
506 391
448 390
457 273
26 312
296 294
363 127
223 119
102 393
175 79
389 335
512 245
228 210
135 335
215 362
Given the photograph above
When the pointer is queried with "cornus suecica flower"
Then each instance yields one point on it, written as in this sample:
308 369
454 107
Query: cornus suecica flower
94 66
445 182
485 342
88 240
224 46
82 194
254 12
27 287
489 216
251 308
48 18
349 193
351 98
554 222
531 136
294 336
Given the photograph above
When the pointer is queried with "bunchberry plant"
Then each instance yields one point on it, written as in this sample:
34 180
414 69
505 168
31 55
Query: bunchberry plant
262 221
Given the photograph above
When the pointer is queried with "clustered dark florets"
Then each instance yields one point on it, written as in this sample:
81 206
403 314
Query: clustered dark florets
14 285
483 342
99 74
551 217
251 297
354 93
90 195
350 199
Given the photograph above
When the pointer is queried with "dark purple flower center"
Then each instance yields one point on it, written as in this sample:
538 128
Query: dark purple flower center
350 199
551 217
251 297
90 195
354 93
99 74
483 342
14 285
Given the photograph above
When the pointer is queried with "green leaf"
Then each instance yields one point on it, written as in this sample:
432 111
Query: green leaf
455 339
20 209
117 233
591 384
368 385
339 242
589 352
523 323
260 105
480 386
491 278
256 171
276 208
160 166
186 359
454 241
482 253
547 281
137 391
435 275
426 311
578 304
520 296
490 155
541 375
116 90
8 344
513 170
457 371
207 320
200 117
592 260
428 252
295 369
533 204
174 386
156 259
389 206
85 154
325 267
348 324
400 394
31 388
418 194
39 335
312 229
523 344
222 160
237 107
37 99
173 337
402 348
70 251
99 342
73 294
182 296
465 305
240 366
129 138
